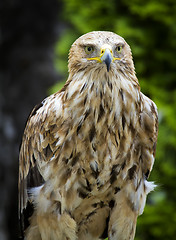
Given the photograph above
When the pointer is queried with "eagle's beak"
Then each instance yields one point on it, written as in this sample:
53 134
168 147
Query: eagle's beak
106 57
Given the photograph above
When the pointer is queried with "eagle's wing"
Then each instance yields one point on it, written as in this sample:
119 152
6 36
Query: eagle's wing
149 133
40 145
130 200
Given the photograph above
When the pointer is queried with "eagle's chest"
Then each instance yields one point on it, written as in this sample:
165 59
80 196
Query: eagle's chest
103 123
95 142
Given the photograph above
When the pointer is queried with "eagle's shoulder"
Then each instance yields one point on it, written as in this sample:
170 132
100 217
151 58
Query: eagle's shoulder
40 125
149 116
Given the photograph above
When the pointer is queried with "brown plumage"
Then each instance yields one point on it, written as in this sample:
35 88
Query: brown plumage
88 149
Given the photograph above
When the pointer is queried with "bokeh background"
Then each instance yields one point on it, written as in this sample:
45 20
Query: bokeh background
35 37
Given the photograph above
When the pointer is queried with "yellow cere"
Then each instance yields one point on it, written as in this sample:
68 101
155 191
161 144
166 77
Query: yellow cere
103 49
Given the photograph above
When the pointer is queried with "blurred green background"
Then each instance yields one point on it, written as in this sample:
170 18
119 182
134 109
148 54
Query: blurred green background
149 27
35 37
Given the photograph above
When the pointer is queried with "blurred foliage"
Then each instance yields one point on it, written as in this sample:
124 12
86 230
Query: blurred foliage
149 26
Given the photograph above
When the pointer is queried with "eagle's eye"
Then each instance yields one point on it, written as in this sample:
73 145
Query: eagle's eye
89 49
119 49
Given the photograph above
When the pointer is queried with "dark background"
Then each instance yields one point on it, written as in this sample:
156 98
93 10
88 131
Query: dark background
29 29
35 36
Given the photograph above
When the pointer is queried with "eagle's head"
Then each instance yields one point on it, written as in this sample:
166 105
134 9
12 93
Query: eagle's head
101 51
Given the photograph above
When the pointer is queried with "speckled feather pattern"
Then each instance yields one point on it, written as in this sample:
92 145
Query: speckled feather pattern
93 144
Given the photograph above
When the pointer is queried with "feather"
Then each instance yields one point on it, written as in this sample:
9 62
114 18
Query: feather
88 149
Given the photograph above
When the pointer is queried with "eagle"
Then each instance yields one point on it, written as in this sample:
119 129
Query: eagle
88 149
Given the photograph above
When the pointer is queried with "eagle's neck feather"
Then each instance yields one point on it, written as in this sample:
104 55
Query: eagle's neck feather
100 91
105 85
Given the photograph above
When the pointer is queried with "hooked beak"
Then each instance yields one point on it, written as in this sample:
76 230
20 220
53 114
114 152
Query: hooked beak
106 56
